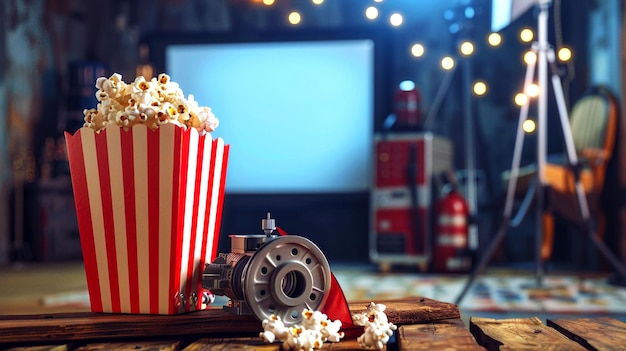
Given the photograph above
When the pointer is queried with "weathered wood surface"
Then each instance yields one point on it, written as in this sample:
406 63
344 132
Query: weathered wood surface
448 334
593 333
215 344
413 310
519 334
173 345
203 344
42 348
53 328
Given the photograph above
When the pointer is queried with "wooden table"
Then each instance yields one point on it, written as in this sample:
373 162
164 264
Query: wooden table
423 324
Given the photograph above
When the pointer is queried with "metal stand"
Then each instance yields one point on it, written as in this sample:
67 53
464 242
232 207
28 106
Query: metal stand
470 160
545 54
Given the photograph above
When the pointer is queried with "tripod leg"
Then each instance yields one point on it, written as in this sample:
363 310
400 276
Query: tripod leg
573 161
508 205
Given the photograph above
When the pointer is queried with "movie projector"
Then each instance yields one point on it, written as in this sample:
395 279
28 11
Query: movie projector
267 274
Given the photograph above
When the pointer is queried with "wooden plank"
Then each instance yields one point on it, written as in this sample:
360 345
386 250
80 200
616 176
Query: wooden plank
448 334
172 345
40 348
54 328
519 334
413 310
256 344
593 333
104 327
218 344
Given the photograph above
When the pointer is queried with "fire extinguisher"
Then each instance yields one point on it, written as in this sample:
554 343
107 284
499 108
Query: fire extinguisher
451 253
407 102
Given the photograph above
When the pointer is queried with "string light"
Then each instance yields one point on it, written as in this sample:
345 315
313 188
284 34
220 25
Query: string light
480 88
371 13
520 99
466 48
295 18
526 35
417 50
564 54
529 126
532 90
494 39
447 63
530 57
396 19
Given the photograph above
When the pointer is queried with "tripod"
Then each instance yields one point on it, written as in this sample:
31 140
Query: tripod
544 54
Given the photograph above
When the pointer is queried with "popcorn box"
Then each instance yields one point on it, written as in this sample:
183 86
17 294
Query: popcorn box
149 206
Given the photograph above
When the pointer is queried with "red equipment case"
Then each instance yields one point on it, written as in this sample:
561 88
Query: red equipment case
405 190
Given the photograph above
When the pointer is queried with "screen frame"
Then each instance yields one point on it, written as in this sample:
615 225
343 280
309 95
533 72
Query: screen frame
157 43
382 94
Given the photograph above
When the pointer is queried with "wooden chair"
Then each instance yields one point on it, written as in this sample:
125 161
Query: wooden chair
593 122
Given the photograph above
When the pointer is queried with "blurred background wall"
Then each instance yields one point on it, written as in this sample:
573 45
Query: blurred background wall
40 42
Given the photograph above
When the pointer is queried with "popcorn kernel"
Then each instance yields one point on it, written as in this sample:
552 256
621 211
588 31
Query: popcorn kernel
151 102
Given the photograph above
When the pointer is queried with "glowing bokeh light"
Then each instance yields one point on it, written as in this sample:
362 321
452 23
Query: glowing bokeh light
494 39
417 50
317 2
520 99
466 48
526 35
529 126
371 13
564 54
532 90
480 88
447 63
530 57
396 19
295 18
407 85
268 2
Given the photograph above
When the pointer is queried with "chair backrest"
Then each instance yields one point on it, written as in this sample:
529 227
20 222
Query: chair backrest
594 122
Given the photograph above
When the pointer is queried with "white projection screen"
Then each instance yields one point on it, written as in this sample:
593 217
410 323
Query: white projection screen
503 12
297 114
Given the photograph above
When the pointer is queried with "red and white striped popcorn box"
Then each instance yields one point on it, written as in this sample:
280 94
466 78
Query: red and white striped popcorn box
149 206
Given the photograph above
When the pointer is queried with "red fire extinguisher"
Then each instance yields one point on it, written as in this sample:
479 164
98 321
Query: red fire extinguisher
407 102
451 253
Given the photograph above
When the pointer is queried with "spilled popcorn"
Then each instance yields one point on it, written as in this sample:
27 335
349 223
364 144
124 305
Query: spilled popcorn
377 329
315 329
154 102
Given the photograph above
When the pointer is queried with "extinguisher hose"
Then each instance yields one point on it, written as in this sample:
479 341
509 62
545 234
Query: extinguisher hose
411 172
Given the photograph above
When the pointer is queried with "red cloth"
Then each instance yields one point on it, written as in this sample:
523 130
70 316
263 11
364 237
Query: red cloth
336 305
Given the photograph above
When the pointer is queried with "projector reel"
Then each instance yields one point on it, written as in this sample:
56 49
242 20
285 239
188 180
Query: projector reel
266 275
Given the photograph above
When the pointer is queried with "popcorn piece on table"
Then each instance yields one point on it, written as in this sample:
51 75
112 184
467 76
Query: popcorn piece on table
377 329
274 329
301 339
315 329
